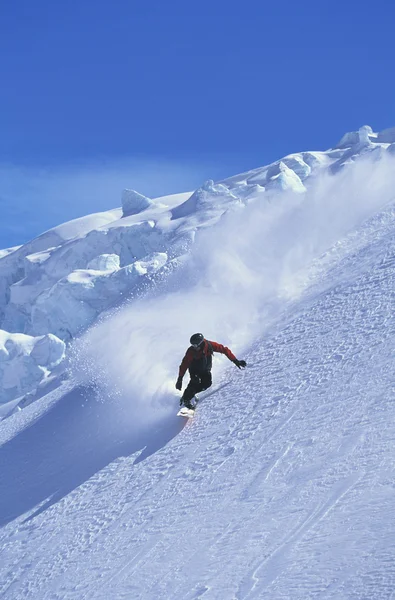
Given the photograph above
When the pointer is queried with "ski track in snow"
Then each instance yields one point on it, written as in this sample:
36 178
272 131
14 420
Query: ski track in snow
277 488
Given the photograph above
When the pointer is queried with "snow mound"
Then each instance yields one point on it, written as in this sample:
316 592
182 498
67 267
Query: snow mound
25 361
105 262
281 177
315 160
355 138
210 197
8 251
133 203
247 191
298 166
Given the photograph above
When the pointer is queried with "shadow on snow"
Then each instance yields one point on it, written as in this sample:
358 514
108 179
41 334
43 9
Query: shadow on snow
75 439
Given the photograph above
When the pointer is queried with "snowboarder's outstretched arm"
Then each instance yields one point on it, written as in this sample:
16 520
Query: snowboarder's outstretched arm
228 353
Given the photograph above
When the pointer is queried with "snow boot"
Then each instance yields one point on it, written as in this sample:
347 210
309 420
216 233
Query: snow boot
188 404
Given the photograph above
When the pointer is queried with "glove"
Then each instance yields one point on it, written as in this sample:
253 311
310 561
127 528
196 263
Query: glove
240 363
179 383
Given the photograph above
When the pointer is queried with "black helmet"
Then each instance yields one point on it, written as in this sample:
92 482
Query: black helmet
196 339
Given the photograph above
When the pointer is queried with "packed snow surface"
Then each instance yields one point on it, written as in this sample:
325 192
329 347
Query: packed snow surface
282 486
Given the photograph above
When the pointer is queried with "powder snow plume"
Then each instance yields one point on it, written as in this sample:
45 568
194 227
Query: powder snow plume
239 274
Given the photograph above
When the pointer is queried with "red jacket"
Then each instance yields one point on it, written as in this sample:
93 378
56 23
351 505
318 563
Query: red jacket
199 359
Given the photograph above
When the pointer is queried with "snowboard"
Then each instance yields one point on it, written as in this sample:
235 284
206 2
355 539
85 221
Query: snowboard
186 412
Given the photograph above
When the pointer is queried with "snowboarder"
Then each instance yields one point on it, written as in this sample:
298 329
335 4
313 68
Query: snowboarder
198 359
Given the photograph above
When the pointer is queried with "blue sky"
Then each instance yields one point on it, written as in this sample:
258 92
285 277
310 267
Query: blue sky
204 89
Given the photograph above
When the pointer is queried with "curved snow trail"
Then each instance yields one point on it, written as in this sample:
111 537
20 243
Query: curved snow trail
281 487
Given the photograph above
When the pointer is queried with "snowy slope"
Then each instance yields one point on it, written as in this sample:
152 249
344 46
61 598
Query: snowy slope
63 281
282 486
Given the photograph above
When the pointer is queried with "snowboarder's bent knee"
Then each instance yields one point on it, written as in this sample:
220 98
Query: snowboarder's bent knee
198 360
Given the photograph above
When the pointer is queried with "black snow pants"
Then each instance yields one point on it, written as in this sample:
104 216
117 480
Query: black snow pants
198 383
